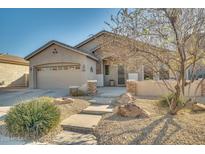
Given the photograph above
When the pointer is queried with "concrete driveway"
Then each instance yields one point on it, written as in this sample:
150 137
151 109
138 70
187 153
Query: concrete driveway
9 97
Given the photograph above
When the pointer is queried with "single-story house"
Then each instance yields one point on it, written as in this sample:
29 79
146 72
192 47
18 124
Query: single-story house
13 71
58 65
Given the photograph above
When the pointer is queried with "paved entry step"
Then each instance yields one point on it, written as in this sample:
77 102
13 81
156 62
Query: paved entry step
97 109
74 138
84 123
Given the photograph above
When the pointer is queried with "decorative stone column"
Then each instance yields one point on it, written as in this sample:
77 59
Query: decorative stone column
92 87
131 86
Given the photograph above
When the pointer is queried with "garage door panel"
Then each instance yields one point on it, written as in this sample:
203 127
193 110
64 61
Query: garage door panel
50 79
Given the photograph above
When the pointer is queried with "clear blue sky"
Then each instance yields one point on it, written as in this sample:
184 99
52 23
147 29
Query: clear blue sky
24 30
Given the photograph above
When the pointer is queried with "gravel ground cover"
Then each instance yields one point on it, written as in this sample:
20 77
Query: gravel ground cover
161 128
66 110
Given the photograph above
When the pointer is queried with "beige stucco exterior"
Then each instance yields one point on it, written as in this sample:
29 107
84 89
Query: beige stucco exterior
158 88
91 55
93 47
60 78
13 75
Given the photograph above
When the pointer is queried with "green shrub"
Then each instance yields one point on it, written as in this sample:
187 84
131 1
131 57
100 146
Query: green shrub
164 101
33 119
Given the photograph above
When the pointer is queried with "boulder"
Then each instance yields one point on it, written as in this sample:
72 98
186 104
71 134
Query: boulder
64 100
198 107
132 110
125 99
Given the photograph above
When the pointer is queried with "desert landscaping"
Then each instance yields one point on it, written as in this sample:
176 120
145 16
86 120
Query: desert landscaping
130 120
141 82
187 127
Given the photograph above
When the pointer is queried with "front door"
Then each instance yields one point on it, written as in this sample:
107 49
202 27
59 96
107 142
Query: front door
121 75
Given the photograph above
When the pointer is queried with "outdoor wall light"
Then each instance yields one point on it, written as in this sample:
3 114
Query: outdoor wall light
83 68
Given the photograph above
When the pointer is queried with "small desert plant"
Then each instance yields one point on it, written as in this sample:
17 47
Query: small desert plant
77 93
33 119
165 100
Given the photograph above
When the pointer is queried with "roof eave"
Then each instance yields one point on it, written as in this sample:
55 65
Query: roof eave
91 38
60 44
14 62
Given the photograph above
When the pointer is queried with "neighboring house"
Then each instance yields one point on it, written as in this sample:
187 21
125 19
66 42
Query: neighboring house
57 65
13 71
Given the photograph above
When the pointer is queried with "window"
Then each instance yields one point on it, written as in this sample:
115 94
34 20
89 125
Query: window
65 67
91 69
72 67
53 68
107 69
77 67
60 68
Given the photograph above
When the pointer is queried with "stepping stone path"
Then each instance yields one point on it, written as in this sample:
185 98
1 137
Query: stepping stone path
84 123
79 128
102 100
73 138
97 109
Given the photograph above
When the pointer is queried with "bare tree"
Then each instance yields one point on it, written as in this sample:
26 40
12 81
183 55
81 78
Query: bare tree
172 39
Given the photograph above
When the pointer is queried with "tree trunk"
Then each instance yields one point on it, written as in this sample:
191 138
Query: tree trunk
180 88
173 105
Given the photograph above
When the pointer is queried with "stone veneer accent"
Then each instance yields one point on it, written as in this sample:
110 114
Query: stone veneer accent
131 86
92 87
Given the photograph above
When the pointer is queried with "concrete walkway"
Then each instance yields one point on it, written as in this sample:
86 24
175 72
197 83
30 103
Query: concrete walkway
110 91
107 95
84 123
97 109
79 128
73 138
5 140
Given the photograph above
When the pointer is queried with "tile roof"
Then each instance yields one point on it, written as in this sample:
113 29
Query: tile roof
11 59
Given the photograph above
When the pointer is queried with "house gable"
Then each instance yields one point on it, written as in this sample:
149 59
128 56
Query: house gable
93 43
57 54
53 42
